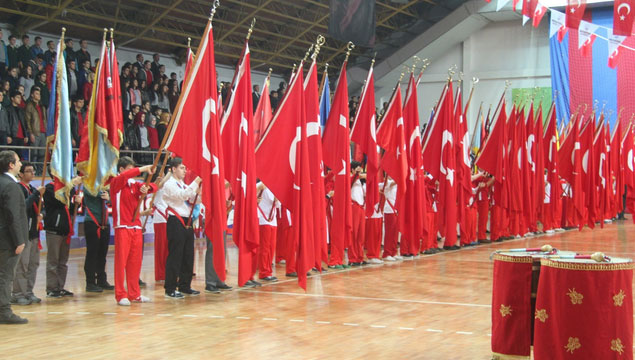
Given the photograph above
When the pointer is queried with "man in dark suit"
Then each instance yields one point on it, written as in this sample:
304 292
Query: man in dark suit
255 96
14 232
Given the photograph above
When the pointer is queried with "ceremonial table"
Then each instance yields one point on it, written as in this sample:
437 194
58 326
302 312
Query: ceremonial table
526 294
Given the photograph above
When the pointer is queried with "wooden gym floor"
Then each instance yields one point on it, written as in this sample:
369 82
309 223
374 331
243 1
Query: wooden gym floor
435 307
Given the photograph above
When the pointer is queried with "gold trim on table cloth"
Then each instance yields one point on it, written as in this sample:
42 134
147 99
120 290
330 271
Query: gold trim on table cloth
497 356
573 345
576 297
505 310
618 299
513 259
587 266
541 315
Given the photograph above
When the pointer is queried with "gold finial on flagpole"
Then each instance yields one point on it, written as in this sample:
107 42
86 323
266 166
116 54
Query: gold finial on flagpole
294 66
215 5
270 71
112 34
189 42
308 52
401 76
450 73
251 28
349 47
372 62
321 40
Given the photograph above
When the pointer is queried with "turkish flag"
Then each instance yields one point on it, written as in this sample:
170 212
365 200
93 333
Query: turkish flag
492 155
238 147
550 141
603 178
615 155
337 156
575 12
391 138
463 166
623 16
195 137
587 135
515 173
529 169
188 62
413 217
439 159
539 13
364 135
628 166
539 158
316 165
529 8
263 114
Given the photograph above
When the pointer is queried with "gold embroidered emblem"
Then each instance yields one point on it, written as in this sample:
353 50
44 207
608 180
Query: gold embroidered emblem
576 297
618 299
616 345
541 315
505 310
573 345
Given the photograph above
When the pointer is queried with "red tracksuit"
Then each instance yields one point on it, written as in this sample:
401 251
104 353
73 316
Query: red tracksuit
373 237
124 194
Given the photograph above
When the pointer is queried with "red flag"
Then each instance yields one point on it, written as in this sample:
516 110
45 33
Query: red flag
615 154
628 166
587 136
602 174
439 159
463 168
529 8
316 164
550 141
413 217
539 13
492 155
391 138
623 16
263 114
529 169
515 170
195 137
189 62
539 158
238 149
363 134
575 12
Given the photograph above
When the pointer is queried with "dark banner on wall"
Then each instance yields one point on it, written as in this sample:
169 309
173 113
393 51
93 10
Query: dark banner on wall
353 20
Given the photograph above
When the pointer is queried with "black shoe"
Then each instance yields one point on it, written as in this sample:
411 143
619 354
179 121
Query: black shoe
254 283
142 283
270 278
355 264
484 241
500 239
224 286
212 289
64 292
13 319
453 247
429 252
190 292
364 263
93 288
106 286
54 294
249 284
293 274
174 295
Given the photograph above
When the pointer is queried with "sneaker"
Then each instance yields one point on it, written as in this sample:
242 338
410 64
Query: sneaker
65 292
93 288
13 319
212 289
190 292
106 286
223 286
408 257
270 278
292 275
22 301
35 299
54 294
398 257
124 302
255 283
249 285
282 262
174 295
389 258
429 252
550 232
142 283
142 299
375 261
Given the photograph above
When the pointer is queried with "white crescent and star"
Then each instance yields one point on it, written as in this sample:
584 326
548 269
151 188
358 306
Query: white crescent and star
208 109
628 10
530 145
449 173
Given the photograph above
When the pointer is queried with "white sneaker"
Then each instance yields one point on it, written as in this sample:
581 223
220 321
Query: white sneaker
559 229
142 299
398 257
282 262
389 258
375 261
607 221
124 302
550 232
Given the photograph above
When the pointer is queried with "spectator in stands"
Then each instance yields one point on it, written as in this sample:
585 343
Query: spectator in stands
134 92
24 52
13 77
142 131
69 53
164 102
21 91
45 94
82 75
162 126
173 76
78 119
82 54
125 95
36 49
88 87
4 121
153 94
6 90
134 73
12 52
155 66
3 56
161 73
49 54
153 135
27 81
273 98
148 70
37 64
17 123
73 85
145 94
35 116
48 69
125 72
139 63
173 95
255 96
282 88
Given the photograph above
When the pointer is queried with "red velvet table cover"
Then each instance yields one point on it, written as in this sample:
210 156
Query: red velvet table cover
584 310
511 306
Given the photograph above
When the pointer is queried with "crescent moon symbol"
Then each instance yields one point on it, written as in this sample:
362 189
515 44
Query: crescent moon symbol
624 5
